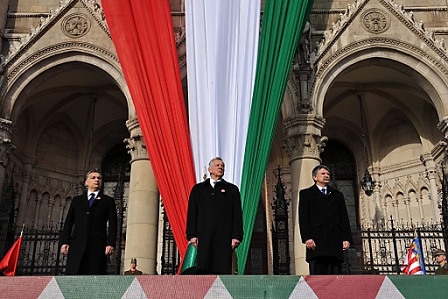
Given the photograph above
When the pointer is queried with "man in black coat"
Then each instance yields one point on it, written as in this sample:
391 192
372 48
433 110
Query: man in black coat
86 238
324 224
214 221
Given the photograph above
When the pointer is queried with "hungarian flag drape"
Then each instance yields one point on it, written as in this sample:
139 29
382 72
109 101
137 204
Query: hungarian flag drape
142 32
235 89
282 24
222 43
414 263
9 263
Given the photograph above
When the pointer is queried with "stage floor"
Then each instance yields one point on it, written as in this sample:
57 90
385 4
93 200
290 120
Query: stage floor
227 286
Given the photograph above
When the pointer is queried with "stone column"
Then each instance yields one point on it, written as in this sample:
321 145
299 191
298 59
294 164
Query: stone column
36 212
143 205
430 165
24 191
304 144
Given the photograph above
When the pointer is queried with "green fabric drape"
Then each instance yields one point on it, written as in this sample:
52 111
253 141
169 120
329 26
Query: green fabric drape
282 24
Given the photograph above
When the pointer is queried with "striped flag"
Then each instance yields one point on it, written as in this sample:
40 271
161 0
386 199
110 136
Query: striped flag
413 261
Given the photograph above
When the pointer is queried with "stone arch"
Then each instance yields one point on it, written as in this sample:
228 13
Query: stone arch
23 74
420 66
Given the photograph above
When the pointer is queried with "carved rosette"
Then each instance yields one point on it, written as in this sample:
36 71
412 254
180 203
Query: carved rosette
76 25
136 148
375 21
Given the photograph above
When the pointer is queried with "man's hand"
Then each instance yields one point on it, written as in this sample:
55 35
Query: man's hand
64 249
109 250
345 245
235 243
310 244
194 241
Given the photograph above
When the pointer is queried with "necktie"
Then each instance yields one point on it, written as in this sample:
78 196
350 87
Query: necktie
324 191
91 199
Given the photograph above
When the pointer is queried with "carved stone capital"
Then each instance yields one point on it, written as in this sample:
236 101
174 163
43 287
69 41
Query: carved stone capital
136 148
303 138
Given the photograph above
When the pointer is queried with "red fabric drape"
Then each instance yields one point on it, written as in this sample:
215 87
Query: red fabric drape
142 32
8 265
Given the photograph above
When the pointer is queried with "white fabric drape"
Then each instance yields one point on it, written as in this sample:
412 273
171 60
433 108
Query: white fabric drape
222 45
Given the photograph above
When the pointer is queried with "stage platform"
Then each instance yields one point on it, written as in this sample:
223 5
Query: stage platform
227 286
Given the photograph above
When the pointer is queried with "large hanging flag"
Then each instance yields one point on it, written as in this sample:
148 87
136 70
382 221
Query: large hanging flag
282 24
143 35
414 263
8 265
222 42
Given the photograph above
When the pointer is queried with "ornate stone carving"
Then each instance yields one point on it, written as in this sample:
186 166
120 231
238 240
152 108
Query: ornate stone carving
136 147
335 30
305 145
375 21
382 41
75 25
417 27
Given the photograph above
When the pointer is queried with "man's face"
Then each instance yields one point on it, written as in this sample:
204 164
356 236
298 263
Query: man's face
93 181
133 265
216 169
440 258
322 178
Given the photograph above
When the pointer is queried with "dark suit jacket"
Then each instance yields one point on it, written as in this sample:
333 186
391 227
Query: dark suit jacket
215 218
85 230
324 219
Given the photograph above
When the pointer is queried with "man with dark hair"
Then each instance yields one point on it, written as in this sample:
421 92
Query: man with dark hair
214 221
86 239
324 224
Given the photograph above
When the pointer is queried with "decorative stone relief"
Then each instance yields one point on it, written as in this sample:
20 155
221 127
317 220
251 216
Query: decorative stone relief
76 25
375 21
335 29
136 147
305 145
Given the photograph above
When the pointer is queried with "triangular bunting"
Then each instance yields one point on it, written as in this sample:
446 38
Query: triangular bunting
218 290
14 286
424 286
303 290
345 286
134 291
97 287
389 290
260 286
159 286
52 291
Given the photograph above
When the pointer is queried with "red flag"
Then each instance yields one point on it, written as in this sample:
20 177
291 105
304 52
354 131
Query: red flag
8 265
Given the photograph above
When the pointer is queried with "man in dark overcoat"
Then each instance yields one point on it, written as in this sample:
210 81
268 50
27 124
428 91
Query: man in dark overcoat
214 221
324 224
86 239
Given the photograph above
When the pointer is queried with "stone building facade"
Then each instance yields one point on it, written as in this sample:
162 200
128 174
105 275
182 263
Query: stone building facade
367 91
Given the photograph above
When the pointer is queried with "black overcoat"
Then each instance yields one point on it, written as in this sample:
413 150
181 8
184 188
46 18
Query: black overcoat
86 230
215 218
324 219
